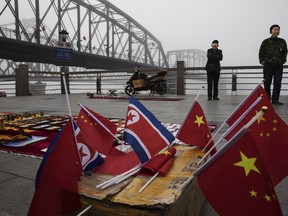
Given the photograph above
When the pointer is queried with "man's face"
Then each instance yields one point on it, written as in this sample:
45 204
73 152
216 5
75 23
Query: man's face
275 31
215 45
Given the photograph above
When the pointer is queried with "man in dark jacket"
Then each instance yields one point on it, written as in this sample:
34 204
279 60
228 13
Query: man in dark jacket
272 55
213 69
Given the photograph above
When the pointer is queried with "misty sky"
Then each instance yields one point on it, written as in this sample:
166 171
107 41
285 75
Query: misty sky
239 25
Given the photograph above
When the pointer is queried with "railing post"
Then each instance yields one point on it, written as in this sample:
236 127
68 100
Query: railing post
180 78
65 70
22 80
98 83
234 81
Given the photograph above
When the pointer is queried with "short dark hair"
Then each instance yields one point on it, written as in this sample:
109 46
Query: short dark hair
273 26
215 41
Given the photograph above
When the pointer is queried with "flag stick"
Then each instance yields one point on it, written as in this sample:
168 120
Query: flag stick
114 179
99 122
85 210
243 116
244 101
124 177
117 179
128 175
213 136
148 182
121 179
258 115
70 112
231 141
199 93
66 93
235 123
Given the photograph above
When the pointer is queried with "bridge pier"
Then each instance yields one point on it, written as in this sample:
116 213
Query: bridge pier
22 80
180 78
98 83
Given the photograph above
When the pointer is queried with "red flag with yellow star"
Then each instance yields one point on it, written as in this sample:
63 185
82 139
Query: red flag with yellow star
160 162
194 130
250 106
236 182
269 131
95 133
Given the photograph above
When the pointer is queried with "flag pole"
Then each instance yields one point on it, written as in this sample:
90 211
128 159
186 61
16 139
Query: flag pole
114 179
234 125
241 132
213 136
258 115
66 93
85 210
148 182
199 92
70 113
121 178
99 122
243 116
245 99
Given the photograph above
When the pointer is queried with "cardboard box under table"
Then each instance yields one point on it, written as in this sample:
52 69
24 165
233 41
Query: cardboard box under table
174 194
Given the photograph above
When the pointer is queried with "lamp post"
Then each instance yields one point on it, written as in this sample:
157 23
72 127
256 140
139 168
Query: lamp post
63 35
64 53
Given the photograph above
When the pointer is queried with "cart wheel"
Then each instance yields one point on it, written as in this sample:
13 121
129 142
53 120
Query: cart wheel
129 90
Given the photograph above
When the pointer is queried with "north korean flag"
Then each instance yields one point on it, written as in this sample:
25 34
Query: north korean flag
89 156
144 132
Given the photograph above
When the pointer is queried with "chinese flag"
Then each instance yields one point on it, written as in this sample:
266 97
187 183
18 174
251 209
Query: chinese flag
165 168
247 110
160 162
270 133
194 130
235 181
97 135
57 181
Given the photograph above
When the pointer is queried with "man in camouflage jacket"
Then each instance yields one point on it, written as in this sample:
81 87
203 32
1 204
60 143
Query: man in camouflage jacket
272 55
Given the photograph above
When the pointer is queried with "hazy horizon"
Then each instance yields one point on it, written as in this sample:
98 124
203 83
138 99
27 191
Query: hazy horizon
240 26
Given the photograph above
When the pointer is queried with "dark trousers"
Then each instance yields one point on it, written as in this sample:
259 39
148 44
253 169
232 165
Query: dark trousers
212 81
274 72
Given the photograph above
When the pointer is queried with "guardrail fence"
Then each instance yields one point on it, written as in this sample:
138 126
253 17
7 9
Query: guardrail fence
238 80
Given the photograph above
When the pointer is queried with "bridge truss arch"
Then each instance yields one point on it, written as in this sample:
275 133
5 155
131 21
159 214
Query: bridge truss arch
94 26
191 57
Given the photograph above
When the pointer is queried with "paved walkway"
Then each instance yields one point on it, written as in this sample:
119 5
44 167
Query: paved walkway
17 172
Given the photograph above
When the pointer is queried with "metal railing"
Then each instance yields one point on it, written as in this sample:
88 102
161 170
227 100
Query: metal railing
233 80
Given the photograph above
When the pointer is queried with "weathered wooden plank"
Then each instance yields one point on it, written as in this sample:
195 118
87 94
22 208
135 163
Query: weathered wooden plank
169 195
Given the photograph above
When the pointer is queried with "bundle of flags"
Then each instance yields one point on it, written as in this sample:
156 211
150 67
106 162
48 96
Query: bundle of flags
235 180
246 169
73 151
243 172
